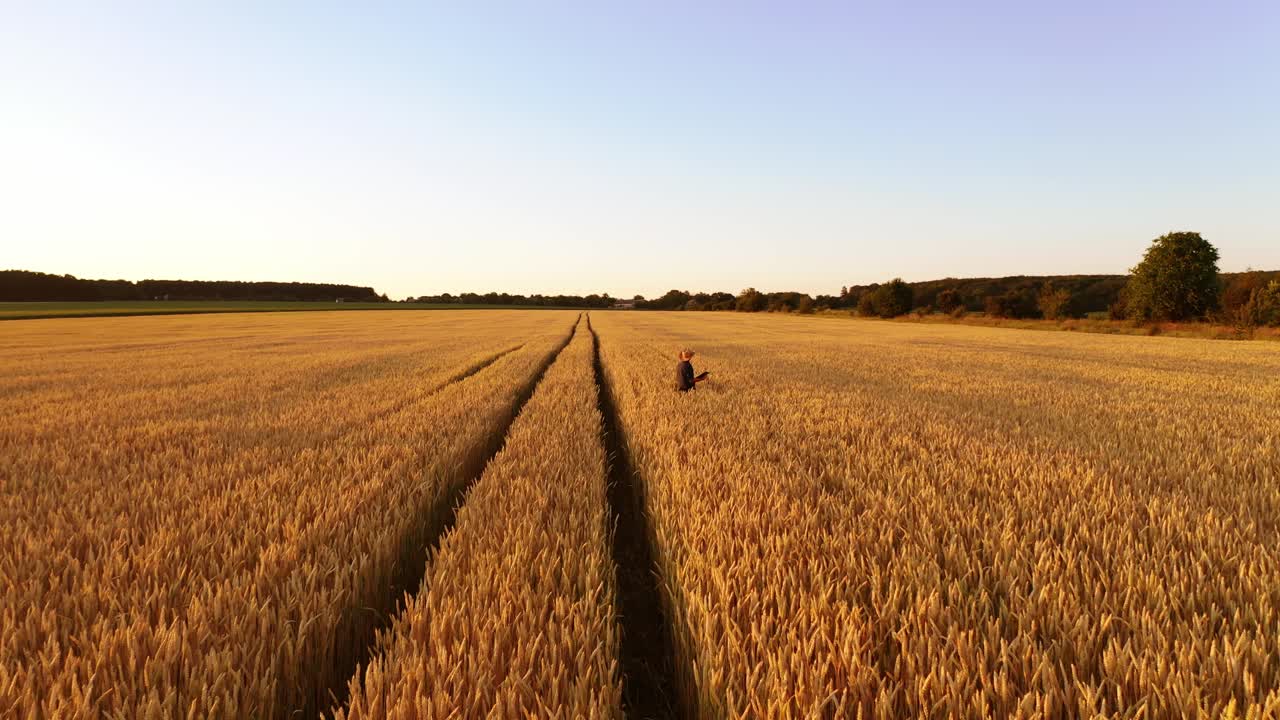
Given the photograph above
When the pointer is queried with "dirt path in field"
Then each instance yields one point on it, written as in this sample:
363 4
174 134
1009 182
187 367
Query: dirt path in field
439 520
648 663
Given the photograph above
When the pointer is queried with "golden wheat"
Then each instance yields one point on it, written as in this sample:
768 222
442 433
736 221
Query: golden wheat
206 517
877 520
516 614
202 516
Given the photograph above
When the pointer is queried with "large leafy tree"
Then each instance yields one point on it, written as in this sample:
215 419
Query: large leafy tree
1176 280
750 300
892 299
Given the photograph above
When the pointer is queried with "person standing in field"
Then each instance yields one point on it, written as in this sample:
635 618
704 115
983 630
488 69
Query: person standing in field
685 379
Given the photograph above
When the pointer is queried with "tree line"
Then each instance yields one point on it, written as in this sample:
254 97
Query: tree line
27 286
497 298
1176 280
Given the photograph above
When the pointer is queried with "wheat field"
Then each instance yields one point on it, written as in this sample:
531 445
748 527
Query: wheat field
201 516
868 519
515 617
406 515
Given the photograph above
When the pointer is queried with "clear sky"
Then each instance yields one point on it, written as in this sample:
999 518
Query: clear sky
632 147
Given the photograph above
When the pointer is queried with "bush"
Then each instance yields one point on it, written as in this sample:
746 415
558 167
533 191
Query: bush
1269 304
1246 299
949 300
866 306
1237 291
1016 304
1054 302
1176 280
1261 308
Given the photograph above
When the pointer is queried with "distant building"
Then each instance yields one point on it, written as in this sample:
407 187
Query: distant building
340 300
624 305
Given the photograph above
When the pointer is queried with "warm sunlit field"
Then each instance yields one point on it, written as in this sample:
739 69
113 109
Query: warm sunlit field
204 515
906 521
252 516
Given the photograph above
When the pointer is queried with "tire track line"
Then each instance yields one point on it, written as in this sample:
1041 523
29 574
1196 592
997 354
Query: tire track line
647 659
438 520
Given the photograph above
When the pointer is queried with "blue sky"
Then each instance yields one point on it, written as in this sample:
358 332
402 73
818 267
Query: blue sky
632 147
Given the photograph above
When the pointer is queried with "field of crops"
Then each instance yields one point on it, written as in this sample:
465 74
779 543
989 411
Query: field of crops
906 521
205 516
254 516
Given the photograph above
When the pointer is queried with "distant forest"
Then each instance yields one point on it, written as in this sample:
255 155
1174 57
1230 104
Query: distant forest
1089 293
1019 296
26 286
497 298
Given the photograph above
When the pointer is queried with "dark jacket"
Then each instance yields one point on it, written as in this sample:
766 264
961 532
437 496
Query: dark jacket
684 376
